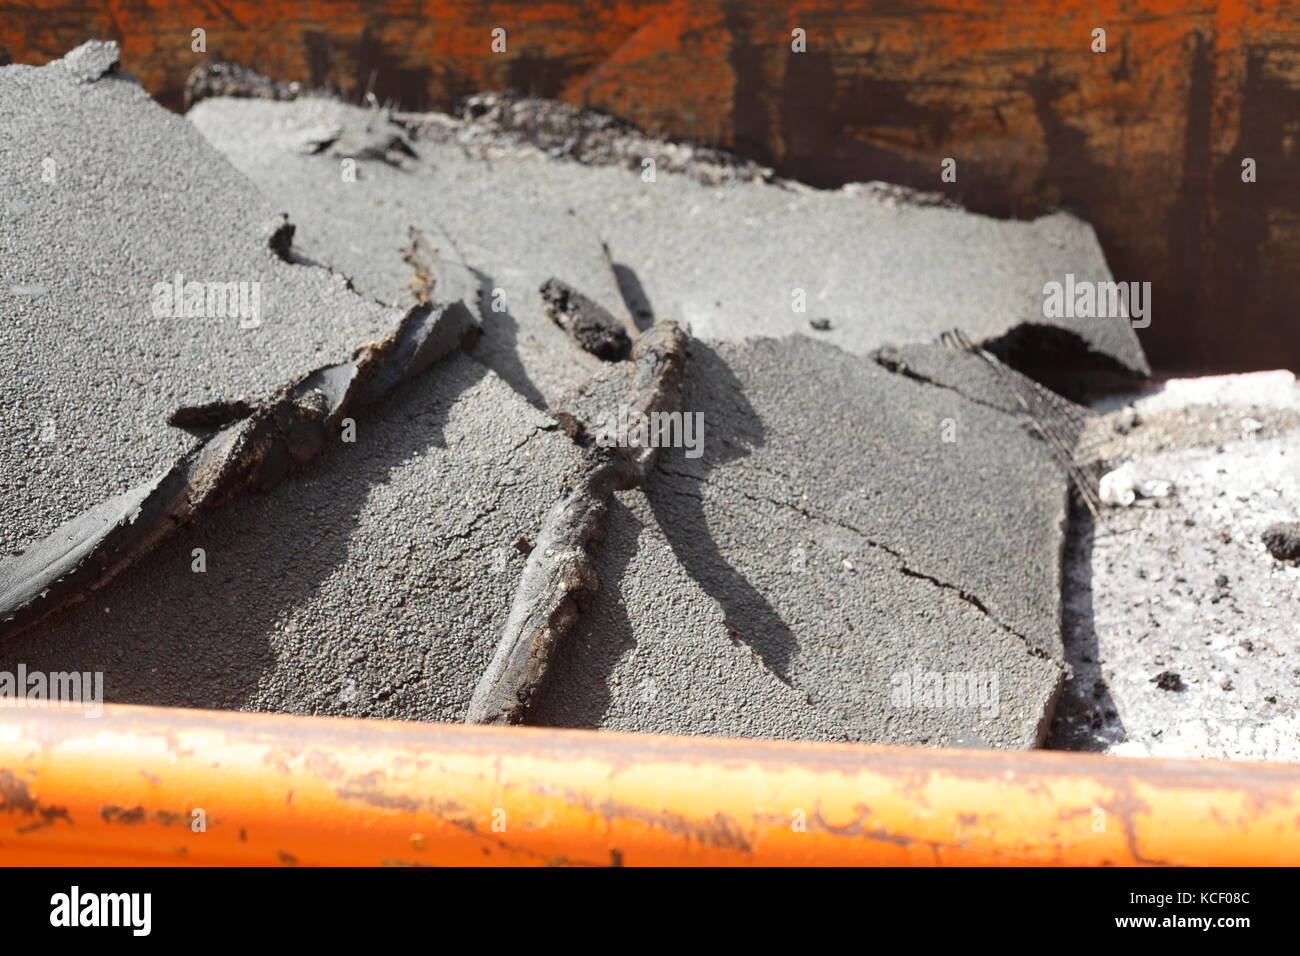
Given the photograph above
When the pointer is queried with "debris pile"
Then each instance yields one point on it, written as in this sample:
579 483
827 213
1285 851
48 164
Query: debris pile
669 446
505 125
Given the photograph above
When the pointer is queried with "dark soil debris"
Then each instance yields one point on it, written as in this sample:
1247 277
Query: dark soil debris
588 323
1169 680
1283 540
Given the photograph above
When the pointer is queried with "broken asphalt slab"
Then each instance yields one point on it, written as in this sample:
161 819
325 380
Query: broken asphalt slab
833 566
93 220
212 617
729 261
832 539
357 218
255 450
373 584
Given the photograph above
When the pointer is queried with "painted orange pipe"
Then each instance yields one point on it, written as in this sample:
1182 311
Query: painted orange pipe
161 786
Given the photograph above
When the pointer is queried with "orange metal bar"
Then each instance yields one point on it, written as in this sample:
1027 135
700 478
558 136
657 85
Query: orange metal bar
161 786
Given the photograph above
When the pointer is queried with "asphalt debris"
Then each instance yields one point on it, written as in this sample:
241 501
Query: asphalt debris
560 576
255 452
233 79
494 125
588 323
1170 681
713 515
209 415
1283 540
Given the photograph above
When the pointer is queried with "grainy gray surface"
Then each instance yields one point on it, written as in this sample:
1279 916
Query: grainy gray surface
367 584
373 584
513 235
105 193
844 543
724 260
845 528
654 655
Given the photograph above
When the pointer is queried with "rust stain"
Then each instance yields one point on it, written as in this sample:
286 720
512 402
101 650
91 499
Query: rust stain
1126 805
377 798
16 798
133 816
858 828
720 831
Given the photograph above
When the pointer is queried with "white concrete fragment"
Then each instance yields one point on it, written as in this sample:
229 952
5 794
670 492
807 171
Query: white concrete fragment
1186 586
1273 389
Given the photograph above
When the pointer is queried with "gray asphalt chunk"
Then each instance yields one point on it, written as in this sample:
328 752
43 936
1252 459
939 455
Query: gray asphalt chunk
588 323
851 553
257 449
653 653
516 240
371 583
844 546
745 257
91 60
960 492
374 584
755 259
92 371
1283 540
729 261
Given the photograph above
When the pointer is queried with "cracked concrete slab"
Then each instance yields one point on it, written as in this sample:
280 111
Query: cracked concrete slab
515 238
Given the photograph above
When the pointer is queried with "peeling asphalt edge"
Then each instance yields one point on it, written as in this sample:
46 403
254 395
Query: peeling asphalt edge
253 453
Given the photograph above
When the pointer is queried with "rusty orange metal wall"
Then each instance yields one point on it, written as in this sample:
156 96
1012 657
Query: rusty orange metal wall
128 787
1146 138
